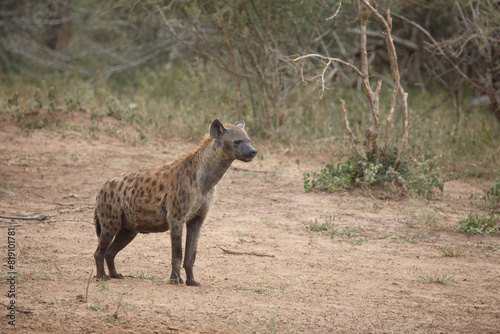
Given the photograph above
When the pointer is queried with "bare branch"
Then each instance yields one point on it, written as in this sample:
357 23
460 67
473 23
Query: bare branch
443 53
311 90
348 127
404 139
393 60
314 55
323 78
398 40
336 12
373 97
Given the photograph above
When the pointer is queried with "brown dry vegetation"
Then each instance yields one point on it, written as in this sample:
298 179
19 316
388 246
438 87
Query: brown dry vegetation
384 269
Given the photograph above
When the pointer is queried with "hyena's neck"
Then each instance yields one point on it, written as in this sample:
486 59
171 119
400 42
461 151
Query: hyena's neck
212 164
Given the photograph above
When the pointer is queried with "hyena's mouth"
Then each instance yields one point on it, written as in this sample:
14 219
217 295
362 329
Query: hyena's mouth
248 156
247 159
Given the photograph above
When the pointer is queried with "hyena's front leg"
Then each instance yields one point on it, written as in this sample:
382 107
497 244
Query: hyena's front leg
192 235
176 242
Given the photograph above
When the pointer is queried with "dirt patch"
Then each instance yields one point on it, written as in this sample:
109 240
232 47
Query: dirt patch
379 268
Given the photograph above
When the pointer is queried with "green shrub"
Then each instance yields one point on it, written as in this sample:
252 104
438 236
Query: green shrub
361 170
493 194
476 224
424 178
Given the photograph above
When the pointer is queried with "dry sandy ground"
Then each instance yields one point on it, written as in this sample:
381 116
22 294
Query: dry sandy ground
375 275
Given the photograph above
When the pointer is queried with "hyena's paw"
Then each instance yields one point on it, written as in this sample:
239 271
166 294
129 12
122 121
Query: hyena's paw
116 275
103 277
192 283
177 281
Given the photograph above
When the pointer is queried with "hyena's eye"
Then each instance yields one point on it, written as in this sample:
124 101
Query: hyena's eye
237 142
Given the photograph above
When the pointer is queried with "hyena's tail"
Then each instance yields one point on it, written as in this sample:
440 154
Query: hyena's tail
97 224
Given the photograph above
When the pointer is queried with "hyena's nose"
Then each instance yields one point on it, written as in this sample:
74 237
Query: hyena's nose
253 151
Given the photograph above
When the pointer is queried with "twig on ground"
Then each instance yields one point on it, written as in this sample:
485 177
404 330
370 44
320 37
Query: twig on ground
10 225
26 311
234 252
88 283
39 217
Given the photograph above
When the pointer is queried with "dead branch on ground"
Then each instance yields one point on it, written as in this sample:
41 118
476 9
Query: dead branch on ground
234 252
39 217
21 310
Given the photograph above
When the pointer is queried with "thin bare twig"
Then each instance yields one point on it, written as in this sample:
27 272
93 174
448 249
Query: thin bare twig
340 61
88 283
323 78
234 252
21 310
348 127
397 40
336 12
39 217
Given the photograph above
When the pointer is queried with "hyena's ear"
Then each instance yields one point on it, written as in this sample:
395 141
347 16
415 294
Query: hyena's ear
241 124
216 129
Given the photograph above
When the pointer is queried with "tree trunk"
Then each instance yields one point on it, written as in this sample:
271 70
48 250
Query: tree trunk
495 106
58 33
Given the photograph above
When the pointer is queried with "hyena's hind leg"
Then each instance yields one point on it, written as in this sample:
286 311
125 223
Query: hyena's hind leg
105 237
122 239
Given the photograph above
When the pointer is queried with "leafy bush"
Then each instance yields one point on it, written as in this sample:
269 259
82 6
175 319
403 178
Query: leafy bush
493 194
476 224
361 170
479 224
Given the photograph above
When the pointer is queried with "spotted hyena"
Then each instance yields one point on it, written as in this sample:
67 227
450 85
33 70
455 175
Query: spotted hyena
167 198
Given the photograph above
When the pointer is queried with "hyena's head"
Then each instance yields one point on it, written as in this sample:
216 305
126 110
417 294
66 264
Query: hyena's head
234 140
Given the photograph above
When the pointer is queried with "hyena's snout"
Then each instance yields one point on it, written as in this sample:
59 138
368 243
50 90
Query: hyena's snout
246 152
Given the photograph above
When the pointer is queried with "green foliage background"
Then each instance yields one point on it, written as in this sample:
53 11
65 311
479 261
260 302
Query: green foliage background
176 65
